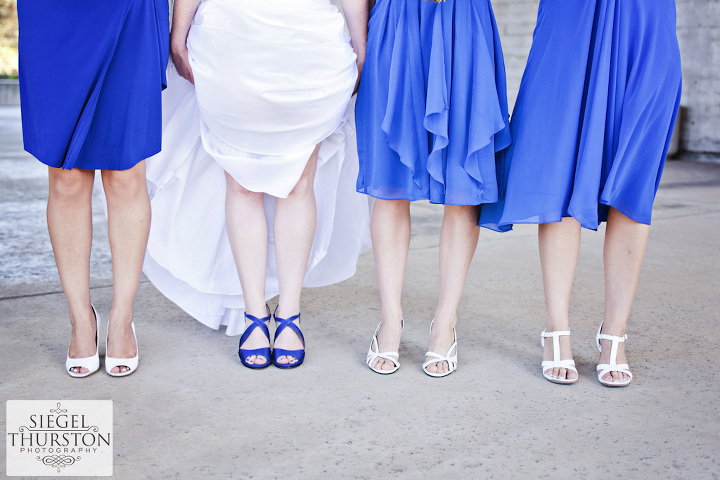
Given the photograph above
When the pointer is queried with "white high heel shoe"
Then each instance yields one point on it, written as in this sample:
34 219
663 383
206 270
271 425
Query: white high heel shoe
374 353
130 363
452 360
91 363
568 364
613 366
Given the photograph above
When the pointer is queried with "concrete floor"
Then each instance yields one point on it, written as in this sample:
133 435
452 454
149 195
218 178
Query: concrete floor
192 411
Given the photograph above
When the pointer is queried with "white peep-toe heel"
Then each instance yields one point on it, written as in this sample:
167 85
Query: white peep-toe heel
130 363
374 353
92 364
452 360
613 366
568 364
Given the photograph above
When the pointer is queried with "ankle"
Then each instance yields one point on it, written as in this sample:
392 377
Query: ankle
614 328
444 321
557 324
391 316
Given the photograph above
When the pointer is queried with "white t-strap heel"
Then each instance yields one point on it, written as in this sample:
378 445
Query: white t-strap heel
568 364
613 366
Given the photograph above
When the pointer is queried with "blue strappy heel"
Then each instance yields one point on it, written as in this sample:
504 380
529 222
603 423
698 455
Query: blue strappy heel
244 353
282 323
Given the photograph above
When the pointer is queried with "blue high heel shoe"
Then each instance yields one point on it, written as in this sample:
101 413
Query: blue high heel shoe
244 353
283 323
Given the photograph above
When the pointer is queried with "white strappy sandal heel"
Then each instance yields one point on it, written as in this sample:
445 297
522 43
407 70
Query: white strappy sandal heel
568 364
452 360
92 364
613 366
130 363
374 353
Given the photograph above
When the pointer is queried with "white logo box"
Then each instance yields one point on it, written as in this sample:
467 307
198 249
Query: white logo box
59 438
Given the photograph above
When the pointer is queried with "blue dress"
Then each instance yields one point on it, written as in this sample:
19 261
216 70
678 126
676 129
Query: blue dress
594 116
91 77
432 106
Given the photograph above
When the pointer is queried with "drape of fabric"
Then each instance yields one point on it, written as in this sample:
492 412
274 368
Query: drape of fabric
594 116
91 77
272 80
432 106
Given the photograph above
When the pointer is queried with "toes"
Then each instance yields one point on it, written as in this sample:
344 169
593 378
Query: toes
562 373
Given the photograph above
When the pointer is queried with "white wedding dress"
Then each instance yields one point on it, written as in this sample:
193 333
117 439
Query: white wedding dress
272 79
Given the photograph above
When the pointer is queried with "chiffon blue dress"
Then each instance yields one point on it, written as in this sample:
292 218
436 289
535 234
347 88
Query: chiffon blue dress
594 116
432 105
91 77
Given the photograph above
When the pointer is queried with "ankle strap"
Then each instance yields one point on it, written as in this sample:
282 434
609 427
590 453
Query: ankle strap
557 333
257 323
283 323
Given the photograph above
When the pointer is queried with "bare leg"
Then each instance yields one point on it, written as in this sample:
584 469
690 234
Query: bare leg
69 217
458 241
295 221
559 250
625 242
390 229
128 229
247 230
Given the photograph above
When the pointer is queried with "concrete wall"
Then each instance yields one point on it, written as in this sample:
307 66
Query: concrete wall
699 36
9 92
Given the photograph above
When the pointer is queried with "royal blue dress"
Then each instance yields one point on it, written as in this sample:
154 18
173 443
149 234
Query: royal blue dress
91 77
432 106
594 116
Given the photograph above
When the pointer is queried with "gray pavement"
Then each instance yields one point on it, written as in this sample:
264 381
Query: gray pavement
192 411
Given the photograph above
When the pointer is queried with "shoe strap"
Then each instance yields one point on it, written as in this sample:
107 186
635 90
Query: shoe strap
436 358
283 323
260 323
615 342
556 341
605 368
568 364
375 350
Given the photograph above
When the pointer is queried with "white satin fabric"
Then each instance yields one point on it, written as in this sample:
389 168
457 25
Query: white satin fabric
272 79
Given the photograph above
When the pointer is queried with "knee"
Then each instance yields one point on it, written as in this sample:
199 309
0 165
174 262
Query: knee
463 213
125 183
394 208
235 190
70 185
305 186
